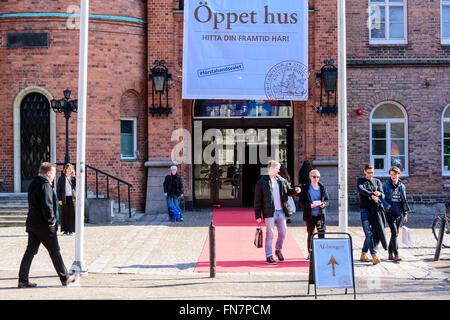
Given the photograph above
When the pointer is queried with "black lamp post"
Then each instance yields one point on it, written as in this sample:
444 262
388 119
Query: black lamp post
161 81
328 75
67 106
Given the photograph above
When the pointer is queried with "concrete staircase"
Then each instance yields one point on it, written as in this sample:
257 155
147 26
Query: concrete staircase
13 209
123 216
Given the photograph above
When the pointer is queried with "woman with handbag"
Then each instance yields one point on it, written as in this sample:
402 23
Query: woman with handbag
396 208
314 199
65 190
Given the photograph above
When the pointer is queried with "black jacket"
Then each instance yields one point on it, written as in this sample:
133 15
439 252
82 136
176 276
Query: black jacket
264 205
168 183
41 206
305 201
61 187
378 222
366 188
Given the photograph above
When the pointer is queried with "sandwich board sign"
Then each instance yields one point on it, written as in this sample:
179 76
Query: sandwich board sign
332 261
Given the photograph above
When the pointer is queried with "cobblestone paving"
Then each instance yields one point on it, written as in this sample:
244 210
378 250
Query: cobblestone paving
161 256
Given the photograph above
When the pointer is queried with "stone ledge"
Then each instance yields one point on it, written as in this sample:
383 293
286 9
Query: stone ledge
325 161
159 163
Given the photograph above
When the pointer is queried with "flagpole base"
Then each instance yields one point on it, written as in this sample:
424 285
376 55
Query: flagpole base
79 268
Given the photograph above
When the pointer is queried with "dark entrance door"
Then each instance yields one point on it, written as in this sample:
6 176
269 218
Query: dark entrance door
231 179
34 136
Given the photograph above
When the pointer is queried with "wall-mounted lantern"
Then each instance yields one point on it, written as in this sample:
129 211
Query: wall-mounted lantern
161 82
328 93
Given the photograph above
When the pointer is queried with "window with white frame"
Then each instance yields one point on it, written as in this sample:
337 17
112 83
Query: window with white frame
387 22
446 142
445 21
388 138
128 138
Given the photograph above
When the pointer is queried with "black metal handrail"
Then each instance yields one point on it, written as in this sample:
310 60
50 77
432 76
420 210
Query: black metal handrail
108 176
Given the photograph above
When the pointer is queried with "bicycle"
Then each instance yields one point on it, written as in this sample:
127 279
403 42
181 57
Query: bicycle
436 226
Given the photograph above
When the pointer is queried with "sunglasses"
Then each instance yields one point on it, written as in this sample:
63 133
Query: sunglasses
316 177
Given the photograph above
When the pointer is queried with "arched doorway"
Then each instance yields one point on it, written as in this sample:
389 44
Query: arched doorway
34 136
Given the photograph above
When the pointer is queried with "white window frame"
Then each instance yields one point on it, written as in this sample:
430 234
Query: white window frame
387 5
122 157
387 156
445 173
444 40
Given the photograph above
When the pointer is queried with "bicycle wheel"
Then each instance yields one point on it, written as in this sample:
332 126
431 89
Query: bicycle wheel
436 226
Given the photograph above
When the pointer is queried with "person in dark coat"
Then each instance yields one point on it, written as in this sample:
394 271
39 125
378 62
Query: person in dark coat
173 188
370 195
313 200
285 174
272 203
396 207
65 190
41 226
303 174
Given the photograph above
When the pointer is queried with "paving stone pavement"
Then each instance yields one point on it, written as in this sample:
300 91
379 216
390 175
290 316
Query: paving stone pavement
156 250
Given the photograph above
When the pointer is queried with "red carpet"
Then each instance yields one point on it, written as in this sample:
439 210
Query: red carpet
235 251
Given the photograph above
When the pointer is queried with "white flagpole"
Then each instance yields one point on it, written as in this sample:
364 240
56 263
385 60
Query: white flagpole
78 265
342 119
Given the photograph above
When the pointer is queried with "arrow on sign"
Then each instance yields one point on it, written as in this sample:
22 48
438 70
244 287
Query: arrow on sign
333 262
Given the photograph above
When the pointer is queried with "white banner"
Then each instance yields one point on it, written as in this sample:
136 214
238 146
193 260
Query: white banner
246 49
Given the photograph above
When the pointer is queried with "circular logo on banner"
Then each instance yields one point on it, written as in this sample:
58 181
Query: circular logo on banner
287 80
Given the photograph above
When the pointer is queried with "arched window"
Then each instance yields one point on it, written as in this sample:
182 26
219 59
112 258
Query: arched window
389 138
446 142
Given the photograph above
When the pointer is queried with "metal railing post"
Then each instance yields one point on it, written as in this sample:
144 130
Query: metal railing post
212 251
118 193
96 183
129 202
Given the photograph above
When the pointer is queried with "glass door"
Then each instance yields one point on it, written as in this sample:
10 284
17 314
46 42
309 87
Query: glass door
234 160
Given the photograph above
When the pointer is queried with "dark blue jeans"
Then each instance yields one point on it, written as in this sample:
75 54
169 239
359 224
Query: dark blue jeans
395 223
173 199
367 227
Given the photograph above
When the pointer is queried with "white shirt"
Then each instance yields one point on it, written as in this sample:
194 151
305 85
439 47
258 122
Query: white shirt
276 194
68 187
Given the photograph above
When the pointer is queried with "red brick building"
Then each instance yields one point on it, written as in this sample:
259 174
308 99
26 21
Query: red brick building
403 76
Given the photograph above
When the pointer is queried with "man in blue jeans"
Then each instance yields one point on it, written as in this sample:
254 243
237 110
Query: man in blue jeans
272 204
370 192
173 188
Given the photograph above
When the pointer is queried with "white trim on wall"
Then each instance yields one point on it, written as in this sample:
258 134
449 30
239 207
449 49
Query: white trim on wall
385 172
387 40
16 119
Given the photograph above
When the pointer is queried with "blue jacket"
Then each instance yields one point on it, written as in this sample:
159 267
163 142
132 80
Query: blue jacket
388 188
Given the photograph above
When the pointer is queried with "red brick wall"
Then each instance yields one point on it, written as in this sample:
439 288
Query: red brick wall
423 25
320 132
117 64
368 86
166 43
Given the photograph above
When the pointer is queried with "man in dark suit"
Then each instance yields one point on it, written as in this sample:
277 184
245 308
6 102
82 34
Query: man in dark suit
41 226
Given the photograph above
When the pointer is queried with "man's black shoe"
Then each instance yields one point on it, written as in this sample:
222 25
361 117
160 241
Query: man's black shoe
279 255
270 260
26 285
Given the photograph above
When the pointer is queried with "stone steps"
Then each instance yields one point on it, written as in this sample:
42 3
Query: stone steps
13 209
